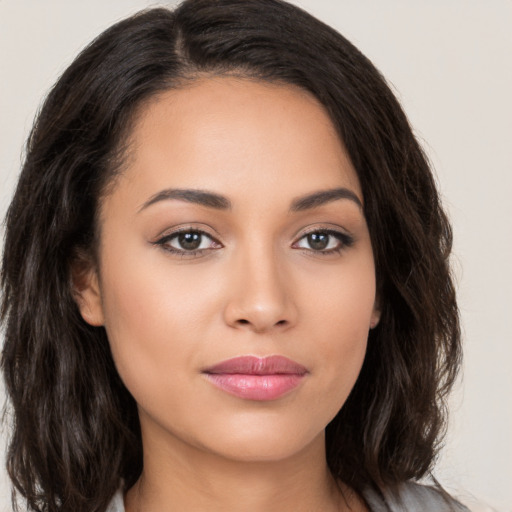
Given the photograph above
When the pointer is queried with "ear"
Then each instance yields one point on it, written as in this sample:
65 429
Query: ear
375 318
87 292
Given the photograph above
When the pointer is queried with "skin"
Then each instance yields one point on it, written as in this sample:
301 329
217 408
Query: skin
257 287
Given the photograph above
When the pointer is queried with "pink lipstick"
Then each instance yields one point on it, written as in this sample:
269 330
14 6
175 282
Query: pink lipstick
256 378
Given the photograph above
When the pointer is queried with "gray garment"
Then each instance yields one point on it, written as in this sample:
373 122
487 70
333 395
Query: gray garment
117 503
410 498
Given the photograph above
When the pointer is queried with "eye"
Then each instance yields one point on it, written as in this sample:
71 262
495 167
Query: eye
325 241
188 242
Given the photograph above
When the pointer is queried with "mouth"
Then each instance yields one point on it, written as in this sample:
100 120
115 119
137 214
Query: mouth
256 378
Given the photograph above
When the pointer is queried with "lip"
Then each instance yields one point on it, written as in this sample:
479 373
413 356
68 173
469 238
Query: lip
256 378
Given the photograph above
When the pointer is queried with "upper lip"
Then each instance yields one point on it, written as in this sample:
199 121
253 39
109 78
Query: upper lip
253 365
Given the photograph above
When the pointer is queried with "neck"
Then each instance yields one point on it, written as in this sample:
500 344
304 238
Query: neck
180 477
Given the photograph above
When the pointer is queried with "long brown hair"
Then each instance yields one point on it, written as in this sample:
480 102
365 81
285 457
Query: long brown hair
75 426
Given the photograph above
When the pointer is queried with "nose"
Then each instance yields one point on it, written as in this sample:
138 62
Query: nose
261 297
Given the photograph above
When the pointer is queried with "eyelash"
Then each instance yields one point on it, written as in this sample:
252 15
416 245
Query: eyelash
344 239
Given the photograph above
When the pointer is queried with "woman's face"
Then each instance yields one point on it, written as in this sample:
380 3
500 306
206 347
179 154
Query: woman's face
271 258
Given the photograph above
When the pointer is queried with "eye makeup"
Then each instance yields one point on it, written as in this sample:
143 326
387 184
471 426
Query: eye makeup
189 242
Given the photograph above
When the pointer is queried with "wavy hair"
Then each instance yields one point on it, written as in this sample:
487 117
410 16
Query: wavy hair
75 432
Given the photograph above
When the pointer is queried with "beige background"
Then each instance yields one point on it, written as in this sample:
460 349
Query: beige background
450 64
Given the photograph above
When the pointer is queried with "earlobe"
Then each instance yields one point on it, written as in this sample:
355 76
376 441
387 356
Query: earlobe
87 294
375 318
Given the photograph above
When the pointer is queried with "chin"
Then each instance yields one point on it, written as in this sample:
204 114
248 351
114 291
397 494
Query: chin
263 443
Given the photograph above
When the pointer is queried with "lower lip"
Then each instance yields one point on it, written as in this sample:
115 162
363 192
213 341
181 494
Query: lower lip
256 387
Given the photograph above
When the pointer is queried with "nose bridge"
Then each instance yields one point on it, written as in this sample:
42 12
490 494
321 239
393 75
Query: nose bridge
260 298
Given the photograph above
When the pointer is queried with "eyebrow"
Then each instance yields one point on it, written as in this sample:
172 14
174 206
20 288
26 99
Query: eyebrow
219 202
322 197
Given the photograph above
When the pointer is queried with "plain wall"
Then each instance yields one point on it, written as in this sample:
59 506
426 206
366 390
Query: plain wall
450 64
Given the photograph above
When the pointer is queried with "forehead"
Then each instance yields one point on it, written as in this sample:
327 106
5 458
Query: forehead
222 132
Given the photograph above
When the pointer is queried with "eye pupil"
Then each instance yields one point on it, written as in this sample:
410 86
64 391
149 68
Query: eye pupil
189 241
318 240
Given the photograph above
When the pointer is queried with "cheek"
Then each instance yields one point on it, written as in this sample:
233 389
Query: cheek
153 318
343 313
344 301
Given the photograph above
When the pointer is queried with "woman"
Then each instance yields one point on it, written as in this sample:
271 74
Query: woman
226 281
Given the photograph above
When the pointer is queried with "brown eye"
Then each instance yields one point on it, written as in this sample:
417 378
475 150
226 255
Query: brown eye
318 241
189 241
325 241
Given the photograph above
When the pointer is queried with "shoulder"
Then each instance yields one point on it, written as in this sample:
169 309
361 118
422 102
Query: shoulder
117 503
412 497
